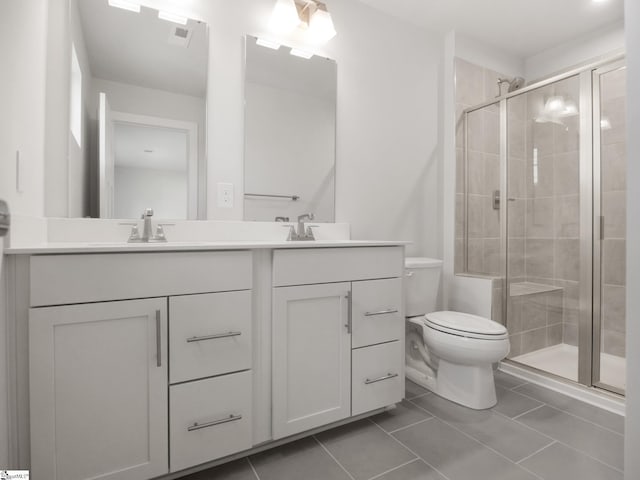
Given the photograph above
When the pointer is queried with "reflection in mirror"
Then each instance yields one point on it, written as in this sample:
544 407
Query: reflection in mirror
290 134
146 102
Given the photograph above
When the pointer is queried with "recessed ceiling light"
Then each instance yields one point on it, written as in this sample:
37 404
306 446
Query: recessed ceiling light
301 53
125 5
267 43
599 1
172 17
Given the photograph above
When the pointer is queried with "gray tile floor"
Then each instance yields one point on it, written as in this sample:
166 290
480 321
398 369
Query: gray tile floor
532 433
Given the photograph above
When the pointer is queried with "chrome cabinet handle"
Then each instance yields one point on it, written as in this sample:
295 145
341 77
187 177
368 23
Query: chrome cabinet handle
158 340
381 312
380 379
408 274
213 337
200 426
349 324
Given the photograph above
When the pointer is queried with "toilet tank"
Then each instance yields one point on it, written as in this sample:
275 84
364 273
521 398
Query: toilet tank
422 281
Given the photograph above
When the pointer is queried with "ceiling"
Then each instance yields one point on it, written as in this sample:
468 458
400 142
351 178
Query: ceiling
521 28
154 148
135 48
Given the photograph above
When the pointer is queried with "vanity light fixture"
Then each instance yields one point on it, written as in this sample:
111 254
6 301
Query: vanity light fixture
172 17
267 43
309 15
301 53
321 28
284 18
125 5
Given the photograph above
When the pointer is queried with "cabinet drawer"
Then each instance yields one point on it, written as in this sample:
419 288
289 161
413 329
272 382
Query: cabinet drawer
377 311
66 279
326 265
378 377
209 419
209 334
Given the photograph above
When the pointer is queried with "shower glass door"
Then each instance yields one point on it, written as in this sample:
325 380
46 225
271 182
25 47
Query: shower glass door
544 204
609 132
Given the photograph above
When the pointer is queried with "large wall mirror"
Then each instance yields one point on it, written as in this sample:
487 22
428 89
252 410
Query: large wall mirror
290 134
139 85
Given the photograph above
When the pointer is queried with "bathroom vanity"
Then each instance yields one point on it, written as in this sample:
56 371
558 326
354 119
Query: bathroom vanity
144 361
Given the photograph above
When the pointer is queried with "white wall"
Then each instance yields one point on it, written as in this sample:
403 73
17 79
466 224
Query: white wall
23 27
137 188
632 425
289 150
576 52
478 53
156 103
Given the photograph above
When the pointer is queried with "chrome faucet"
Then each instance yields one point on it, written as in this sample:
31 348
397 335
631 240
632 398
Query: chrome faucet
147 229
303 233
301 230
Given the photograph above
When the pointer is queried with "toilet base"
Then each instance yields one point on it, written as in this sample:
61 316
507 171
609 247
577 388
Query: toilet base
470 386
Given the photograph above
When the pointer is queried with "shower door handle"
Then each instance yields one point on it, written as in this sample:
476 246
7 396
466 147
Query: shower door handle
496 199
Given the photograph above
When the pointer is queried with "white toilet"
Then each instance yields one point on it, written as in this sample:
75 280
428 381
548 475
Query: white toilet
449 353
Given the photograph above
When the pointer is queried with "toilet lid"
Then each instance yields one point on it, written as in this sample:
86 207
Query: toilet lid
464 323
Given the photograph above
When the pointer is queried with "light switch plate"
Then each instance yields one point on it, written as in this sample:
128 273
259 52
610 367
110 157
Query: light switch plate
225 195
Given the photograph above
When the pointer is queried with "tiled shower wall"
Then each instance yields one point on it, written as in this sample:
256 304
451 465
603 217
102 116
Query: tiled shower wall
475 85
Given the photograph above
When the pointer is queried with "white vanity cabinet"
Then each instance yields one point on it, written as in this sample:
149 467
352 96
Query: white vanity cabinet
145 364
338 326
103 405
99 390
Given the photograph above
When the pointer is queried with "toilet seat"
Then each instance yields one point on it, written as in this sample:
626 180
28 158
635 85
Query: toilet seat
465 325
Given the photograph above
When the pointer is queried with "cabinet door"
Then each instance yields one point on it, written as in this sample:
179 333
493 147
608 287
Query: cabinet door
311 357
98 379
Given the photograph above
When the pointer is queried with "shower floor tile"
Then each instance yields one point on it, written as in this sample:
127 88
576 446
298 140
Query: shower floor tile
562 360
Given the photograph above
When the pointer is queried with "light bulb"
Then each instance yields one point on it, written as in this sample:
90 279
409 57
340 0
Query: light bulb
321 27
284 18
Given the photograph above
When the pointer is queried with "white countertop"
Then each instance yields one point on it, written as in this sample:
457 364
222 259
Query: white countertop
115 247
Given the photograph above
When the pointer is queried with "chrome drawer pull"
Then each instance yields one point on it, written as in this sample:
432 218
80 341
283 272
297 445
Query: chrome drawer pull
213 337
200 426
375 380
381 312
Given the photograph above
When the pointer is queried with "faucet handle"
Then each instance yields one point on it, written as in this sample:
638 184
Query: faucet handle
292 232
309 231
134 235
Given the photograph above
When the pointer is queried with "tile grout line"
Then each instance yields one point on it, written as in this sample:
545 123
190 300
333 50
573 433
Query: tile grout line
395 468
480 443
570 413
408 426
582 452
414 453
537 452
334 458
253 469
525 413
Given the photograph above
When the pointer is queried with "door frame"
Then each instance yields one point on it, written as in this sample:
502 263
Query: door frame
598 221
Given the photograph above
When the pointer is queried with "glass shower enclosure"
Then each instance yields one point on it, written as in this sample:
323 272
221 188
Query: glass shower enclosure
544 212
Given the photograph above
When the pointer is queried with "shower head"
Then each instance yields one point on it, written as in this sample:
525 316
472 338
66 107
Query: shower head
515 84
